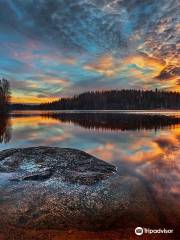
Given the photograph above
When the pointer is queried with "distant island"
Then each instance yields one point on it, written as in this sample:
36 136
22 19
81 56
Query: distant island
111 100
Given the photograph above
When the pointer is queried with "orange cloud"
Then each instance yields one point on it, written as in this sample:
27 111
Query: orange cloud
32 99
33 88
105 65
143 61
110 66
170 74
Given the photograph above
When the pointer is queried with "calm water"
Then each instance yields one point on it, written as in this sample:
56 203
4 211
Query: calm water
144 144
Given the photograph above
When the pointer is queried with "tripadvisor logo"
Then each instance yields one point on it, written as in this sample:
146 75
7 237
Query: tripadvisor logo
139 231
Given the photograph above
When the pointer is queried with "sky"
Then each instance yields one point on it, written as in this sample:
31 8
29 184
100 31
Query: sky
59 48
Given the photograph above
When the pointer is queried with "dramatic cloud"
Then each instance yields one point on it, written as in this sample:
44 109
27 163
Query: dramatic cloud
100 44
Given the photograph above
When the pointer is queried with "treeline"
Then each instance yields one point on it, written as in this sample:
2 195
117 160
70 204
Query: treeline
117 99
5 95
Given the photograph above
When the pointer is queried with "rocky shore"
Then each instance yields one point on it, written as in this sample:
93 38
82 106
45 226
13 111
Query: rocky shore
61 188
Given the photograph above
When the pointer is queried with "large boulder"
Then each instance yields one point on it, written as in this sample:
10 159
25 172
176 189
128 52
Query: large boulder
48 187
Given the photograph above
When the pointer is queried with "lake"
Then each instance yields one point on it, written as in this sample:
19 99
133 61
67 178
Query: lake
141 143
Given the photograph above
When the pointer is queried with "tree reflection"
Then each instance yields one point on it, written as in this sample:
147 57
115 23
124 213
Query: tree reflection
116 121
5 128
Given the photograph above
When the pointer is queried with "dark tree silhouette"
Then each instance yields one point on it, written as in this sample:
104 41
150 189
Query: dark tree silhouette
111 100
5 95
116 100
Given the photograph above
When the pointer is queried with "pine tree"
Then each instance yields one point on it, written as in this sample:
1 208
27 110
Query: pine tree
5 95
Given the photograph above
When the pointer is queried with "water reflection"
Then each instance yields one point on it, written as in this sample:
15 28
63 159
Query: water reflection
116 121
37 124
151 153
5 129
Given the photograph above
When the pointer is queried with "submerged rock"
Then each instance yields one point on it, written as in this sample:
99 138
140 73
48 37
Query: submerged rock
48 187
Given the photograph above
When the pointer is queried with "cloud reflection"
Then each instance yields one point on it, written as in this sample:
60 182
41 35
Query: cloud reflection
150 155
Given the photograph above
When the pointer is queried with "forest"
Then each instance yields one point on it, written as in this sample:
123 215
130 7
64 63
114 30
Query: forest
98 100
113 100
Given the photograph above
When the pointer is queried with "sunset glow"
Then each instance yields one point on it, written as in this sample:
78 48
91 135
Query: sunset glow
57 51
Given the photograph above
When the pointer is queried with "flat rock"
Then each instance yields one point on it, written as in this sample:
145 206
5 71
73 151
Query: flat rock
40 163
61 188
